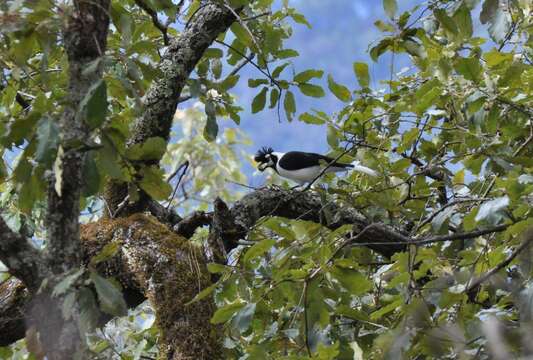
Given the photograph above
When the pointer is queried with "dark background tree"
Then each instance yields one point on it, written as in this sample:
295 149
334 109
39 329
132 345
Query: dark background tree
431 258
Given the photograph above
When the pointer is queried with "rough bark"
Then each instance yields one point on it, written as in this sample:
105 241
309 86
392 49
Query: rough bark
13 299
161 99
20 257
230 225
154 263
168 270
158 264
85 35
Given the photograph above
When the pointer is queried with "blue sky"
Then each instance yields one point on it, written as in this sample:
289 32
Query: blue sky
341 33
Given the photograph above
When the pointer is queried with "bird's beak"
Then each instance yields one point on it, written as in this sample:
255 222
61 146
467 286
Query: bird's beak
261 167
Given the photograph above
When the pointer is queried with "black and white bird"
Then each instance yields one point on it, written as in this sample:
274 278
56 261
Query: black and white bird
303 167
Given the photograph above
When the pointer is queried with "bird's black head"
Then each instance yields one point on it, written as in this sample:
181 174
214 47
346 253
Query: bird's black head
266 158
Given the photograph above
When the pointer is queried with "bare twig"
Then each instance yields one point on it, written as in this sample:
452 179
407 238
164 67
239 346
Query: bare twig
267 13
155 20
474 283
442 208
306 320
183 166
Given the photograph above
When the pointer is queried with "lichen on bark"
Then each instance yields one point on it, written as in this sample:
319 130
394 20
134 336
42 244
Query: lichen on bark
169 270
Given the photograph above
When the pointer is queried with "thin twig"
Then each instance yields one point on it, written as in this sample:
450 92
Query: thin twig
528 238
249 58
442 208
327 167
306 326
155 20
267 13
183 166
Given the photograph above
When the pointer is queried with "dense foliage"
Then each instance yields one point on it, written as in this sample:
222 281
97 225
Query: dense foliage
451 137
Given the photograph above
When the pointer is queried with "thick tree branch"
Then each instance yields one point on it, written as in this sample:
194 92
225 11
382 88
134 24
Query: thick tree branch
13 299
152 263
233 224
163 96
176 65
20 257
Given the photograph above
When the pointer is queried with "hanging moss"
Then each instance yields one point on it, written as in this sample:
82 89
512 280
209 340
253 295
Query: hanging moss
169 271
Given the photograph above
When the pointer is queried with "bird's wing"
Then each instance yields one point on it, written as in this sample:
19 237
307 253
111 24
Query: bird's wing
295 160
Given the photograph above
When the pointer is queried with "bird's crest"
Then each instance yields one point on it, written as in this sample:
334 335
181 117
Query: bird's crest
261 156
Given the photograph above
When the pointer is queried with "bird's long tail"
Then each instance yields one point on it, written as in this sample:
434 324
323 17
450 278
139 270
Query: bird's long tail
356 165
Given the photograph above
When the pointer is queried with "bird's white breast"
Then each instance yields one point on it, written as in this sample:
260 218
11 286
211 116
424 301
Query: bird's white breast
301 175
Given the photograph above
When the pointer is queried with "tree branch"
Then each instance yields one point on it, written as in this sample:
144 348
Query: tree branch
163 96
475 283
235 223
20 257
176 65
155 20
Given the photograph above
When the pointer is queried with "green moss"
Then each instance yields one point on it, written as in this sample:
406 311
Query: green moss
170 271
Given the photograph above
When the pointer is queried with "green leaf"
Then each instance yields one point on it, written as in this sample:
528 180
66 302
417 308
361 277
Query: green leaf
470 68
426 95
311 119
386 309
258 249
153 184
225 313
361 72
312 90
66 283
259 101
274 97
215 268
390 7
202 294
307 75
93 107
91 175
385 27
216 68
464 21
277 71
340 91
3 169
289 105
332 137
229 82
490 208
214 53
352 280
108 162
211 126
286 53
89 314
47 140
243 318
108 251
498 19
152 149
495 58
241 33
110 298
300 19
253 83
446 21
380 48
